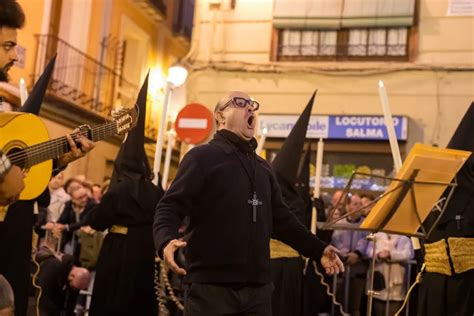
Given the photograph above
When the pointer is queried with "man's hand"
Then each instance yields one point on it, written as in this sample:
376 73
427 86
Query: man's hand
331 262
168 255
11 186
352 258
49 226
58 230
88 230
75 152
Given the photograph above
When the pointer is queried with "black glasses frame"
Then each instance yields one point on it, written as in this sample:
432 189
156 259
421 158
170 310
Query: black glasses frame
241 103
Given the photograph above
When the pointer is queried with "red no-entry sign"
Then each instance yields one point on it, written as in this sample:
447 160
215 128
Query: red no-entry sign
194 123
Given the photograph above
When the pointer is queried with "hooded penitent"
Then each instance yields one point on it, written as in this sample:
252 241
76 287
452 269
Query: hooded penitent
35 99
131 161
287 161
460 204
125 268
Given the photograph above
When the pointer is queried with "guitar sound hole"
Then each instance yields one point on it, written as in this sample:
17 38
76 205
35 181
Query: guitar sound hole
18 157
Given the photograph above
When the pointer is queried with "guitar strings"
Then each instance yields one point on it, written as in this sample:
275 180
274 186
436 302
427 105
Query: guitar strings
62 141
39 148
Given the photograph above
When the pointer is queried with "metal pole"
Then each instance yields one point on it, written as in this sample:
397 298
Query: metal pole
370 291
169 150
346 287
334 290
407 308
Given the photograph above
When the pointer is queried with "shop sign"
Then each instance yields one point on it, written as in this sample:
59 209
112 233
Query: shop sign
346 127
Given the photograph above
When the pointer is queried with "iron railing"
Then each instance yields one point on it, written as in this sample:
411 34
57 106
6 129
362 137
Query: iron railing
80 78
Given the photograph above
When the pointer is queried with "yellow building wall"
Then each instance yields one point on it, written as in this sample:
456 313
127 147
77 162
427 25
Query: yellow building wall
34 17
232 49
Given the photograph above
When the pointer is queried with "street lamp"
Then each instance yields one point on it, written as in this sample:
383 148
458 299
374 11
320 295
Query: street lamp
177 75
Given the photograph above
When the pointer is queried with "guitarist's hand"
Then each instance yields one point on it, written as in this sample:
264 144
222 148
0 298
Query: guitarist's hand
76 152
11 186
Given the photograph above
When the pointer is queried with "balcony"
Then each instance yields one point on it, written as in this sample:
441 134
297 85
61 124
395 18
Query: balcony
156 9
80 79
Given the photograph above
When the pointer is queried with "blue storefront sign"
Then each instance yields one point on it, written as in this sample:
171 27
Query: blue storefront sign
365 127
348 127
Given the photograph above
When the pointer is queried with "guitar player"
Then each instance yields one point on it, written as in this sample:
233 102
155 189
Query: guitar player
11 177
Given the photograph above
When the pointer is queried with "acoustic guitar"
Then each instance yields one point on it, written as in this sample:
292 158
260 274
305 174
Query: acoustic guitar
25 140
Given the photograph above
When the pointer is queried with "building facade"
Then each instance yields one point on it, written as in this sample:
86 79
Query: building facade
280 51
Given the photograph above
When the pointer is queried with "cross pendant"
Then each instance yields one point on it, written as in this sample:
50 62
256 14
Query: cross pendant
458 219
254 202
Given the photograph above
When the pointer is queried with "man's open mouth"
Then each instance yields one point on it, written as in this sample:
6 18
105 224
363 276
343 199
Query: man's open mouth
250 121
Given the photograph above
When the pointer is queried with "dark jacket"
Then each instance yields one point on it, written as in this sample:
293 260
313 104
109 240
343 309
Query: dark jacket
224 244
57 297
68 217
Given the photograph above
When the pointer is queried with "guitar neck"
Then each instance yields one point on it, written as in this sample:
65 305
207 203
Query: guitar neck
56 148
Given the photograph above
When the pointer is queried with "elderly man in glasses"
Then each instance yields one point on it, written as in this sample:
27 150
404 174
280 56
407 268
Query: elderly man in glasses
234 204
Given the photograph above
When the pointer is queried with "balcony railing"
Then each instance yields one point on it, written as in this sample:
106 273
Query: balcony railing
80 78
159 5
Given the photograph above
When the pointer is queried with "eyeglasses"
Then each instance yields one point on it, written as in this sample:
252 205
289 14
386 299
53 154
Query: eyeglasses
241 103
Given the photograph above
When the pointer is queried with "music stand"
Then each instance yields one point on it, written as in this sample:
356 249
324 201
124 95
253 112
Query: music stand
425 175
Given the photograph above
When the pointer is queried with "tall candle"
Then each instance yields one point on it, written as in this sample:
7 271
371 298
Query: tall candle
23 91
397 159
261 141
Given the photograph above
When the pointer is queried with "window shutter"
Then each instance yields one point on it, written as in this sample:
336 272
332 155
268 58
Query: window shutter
336 14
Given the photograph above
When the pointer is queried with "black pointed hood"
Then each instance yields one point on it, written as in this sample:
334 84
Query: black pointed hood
35 99
462 138
287 161
131 160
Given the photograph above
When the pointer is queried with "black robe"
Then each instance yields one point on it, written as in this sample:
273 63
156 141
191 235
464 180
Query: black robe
315 299
451 295
287 273
124 282
15 248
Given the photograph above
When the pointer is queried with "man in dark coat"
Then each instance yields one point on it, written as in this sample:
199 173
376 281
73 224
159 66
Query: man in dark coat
124 283
448 289
71 220
60 281
234 203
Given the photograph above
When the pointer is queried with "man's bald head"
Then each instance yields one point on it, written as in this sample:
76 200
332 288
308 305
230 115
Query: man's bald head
79 278
225 100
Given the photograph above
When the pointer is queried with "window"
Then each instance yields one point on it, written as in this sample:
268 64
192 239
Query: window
343 30
370 44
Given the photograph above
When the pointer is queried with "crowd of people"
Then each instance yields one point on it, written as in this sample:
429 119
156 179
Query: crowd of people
68 248
392 253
